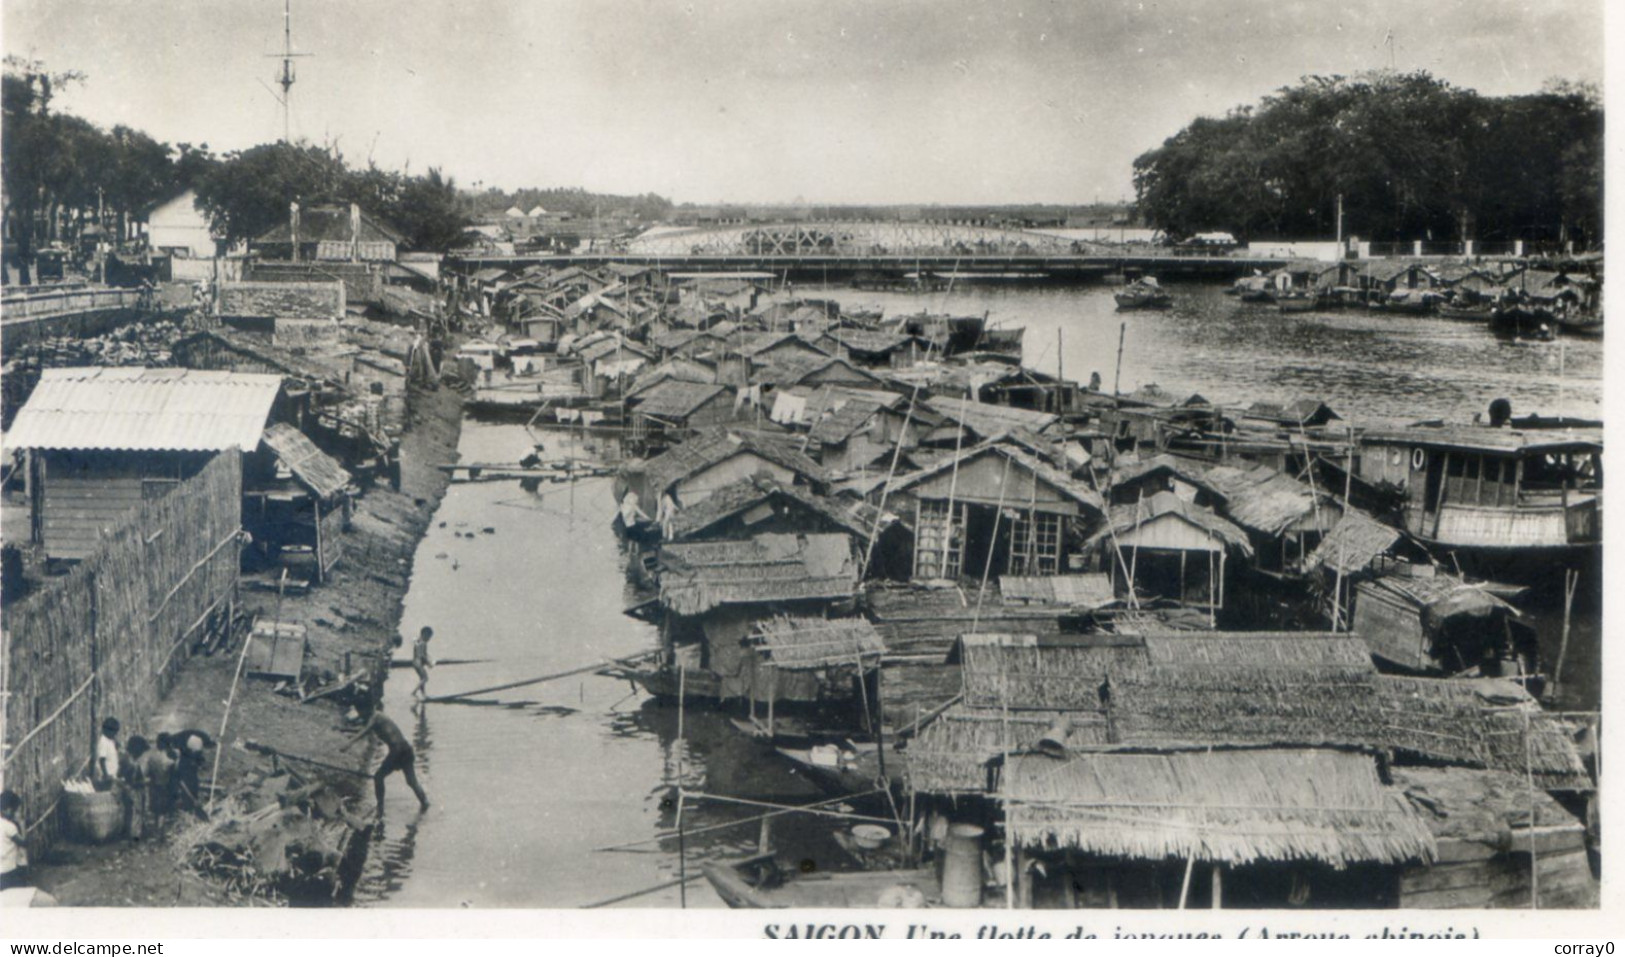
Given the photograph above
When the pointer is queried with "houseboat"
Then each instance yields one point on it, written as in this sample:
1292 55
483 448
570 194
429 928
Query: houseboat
1516 492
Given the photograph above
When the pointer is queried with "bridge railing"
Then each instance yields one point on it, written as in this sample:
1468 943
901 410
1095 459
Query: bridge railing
23 305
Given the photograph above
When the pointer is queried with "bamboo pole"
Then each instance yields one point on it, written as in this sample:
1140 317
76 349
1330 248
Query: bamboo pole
992 546
681 882
595 666
1185 885
682 849
1571 583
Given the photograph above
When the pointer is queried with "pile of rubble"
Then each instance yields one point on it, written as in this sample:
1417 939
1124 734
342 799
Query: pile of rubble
135 344
281 838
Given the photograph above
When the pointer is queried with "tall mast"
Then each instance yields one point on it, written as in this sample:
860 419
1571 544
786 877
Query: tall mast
286 79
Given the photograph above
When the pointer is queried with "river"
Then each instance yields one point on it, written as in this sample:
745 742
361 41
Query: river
529 784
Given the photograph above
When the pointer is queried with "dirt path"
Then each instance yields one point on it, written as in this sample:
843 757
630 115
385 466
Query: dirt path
356 613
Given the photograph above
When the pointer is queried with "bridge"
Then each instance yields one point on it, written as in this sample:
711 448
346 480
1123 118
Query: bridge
839 250
35 312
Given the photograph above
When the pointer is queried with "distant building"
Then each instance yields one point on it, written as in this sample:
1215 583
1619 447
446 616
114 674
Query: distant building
178 227
330 234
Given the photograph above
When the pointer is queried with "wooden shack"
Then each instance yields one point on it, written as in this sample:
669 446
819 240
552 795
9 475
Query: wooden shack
959 519
712 594
102 440
1166 547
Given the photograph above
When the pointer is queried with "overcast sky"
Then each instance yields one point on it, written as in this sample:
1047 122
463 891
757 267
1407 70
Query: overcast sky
766 100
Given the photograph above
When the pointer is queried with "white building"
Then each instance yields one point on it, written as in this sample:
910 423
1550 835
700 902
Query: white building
176 226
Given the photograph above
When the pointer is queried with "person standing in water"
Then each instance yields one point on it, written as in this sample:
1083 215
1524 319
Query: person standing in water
398 756
421 662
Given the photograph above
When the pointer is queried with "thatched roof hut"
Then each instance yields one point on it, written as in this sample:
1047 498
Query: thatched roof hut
1230 689
700 576
1228 807
1044 673
806 644
1353 544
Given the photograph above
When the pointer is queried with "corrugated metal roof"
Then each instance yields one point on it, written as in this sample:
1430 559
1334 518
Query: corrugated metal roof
134 409
316 469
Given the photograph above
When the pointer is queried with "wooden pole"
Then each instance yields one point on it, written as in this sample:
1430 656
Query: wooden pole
595 666
1218 886
682 850
1117 379
1571 582
1534 831
1185 885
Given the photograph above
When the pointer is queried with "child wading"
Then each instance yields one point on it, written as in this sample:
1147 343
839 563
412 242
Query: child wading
421 662
399 756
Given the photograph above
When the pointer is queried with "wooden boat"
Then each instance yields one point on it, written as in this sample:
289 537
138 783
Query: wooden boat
761 882
1005 341
847 768
1580 323
1515 492
1251 289
1412 302
1297 301
1143 293
1477 313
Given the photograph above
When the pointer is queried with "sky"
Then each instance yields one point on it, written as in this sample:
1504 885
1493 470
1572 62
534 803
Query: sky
832 101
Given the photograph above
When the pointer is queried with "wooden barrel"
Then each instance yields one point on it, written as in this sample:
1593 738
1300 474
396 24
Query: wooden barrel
94 818
962 867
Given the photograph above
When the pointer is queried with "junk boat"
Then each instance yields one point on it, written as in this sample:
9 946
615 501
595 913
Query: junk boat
1518 491
1143 293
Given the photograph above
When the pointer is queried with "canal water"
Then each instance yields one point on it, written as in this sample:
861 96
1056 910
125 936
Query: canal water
530 784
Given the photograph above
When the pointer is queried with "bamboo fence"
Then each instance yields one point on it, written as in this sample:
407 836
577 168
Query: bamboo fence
106 639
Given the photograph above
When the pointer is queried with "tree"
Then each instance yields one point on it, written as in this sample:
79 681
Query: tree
1412 157
429 212
31 152
248 193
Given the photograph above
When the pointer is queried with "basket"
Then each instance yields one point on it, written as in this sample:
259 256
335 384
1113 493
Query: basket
94 818
870 837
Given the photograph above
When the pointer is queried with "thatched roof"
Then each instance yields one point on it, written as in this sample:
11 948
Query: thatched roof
713 446
1483 722
1439 597
1044 673
1321 652
1075 591
1468 804
922 619
1462 722
1264 500
318 471
747 493
1231 807
1127 518
805 644
699 576
1353 543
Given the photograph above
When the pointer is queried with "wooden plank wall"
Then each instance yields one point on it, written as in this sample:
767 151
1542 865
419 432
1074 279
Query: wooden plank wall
107 638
